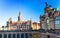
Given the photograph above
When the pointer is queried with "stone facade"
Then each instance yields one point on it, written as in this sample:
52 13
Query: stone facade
50 22
19 24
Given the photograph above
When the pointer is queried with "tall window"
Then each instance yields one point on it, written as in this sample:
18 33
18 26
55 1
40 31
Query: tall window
57 22
48 23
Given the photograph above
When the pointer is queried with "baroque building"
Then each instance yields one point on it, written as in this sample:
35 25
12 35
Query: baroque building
22 25
19 24
50 22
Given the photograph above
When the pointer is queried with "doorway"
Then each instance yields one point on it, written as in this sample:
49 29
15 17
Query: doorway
48 36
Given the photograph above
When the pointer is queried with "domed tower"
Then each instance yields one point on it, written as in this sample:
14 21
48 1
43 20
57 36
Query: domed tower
19 18
10 20
9 23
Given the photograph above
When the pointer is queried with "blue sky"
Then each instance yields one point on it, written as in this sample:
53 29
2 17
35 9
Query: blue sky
28 8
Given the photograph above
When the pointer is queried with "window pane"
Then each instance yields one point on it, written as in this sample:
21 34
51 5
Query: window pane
57 23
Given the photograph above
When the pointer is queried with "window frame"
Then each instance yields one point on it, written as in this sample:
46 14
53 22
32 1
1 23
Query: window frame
57 22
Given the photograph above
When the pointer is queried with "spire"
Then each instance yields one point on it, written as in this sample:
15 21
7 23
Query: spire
19 13
20 17
30 19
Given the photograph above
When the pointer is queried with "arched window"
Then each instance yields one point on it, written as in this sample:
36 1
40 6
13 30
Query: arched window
57 22
48 23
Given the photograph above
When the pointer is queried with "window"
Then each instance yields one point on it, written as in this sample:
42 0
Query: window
47 23
57 22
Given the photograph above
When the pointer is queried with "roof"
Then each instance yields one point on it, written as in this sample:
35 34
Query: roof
15 23
24 22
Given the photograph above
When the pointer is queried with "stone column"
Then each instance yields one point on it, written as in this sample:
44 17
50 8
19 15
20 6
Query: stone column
15 35
28 35
11 35
2 35
37 35
20 35
7 35
32 35
24 35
